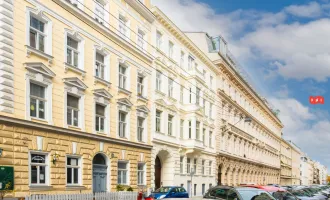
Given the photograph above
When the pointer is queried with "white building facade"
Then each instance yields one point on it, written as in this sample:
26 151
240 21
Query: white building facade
306 170
183 113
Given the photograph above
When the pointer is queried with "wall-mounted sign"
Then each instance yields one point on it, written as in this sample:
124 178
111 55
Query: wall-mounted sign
6 178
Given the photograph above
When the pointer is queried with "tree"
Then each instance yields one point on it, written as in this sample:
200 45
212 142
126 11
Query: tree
6 190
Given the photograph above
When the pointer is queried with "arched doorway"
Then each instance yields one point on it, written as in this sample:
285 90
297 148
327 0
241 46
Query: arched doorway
99 173
158 173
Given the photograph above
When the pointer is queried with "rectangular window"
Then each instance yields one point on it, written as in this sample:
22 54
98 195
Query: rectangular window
190 63
211 82
195 188
204 73
72 110
189 129
203 167
37 101
170 87
72 171
181 165
158 120
198 91
140 41
203 189
195 166
99 65
182 59
204 106
99 117
123 25
122 77
181 128
181 94
188 165
140 129
190 95
122 124
72 52
210 110
141 174
38 169
159 40
170 49
99 11
210 139
170 124
37 34
122 173
204 131
158 81
197 130
140 85
210 167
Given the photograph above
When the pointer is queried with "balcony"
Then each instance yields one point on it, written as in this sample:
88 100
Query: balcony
163 138
193 144
197 74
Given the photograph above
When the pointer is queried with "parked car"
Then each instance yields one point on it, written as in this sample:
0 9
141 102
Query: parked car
237 193
277 192
169 192
304 195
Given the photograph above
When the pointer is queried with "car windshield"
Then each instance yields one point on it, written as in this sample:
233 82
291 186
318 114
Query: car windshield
163 190
255 195
283 196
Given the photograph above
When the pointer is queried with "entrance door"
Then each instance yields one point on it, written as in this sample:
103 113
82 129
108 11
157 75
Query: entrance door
99 174
158 173
219 175
189 188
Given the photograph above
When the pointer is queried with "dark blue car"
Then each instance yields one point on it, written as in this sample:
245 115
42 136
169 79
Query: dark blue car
170 192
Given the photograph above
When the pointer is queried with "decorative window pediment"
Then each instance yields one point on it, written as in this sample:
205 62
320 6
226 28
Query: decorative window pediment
75 82
142 111
161 102
103 93
40 68
123 61
125 101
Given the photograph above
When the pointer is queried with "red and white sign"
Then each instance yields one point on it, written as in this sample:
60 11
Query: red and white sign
316 100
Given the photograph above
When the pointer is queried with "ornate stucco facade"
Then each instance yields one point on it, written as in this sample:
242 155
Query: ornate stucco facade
74 117
290 163
248 151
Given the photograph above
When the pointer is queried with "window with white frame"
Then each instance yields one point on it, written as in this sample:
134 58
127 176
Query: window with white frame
37 101
170 49
210 138
198 93
204 73
210 110
140 134
122 124
190 95
181 128
158 81
211 82
170 125
159 40
99 117
140 85
204 132
100 11
99 65
190 62
188 165
182 59
72 55
181 164
123 23
39 169
203 167
170 87
189 123
210 167
141 174
204 106
122 77
122 173
72 170
140 39
181 94
158 120
72 110
37 35
195 165
197 130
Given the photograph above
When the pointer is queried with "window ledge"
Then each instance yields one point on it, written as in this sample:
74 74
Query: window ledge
40 187
30 50
74 127
172 99
75 187
35 119
123 90
160 93
142 98
74 69
102 81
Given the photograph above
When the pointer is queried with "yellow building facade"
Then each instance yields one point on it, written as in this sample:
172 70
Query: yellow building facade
74 108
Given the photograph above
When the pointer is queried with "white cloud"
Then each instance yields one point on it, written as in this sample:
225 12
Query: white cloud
313 9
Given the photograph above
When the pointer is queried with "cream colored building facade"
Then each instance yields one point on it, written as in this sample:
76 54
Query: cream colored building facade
290 163
247 150
74 97
306 168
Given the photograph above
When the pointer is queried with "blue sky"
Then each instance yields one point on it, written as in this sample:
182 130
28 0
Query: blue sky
284 47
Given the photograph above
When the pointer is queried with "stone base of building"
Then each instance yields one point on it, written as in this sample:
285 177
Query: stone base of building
234 172
21 141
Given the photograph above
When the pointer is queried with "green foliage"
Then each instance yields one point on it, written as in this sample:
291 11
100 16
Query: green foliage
130 189
6 190
120 188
